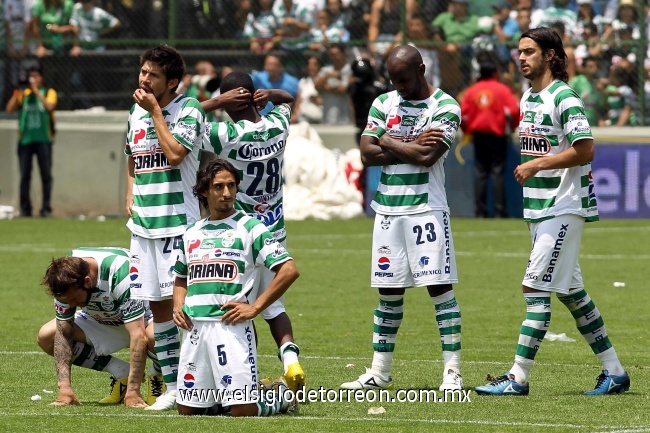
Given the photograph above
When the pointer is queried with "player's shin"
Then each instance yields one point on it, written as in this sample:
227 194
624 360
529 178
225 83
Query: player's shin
387 320
531 335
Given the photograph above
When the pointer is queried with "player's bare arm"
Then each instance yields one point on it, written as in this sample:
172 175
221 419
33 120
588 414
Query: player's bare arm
285 274
130 177
137 361
372 154
581 152
174 151
275 96
63 362
235 99
425 150
180 292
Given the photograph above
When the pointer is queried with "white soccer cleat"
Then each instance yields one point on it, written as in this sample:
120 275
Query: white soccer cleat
451 380
370 380
166 401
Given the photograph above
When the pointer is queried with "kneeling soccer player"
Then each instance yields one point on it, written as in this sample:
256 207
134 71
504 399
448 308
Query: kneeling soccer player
216 273
96 279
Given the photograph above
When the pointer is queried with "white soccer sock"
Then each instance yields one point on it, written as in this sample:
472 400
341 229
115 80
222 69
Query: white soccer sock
118 368
521 369
288 356
610 362
381 362
154 368
451 359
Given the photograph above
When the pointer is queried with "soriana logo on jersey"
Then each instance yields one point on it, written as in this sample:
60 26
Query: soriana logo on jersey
213 271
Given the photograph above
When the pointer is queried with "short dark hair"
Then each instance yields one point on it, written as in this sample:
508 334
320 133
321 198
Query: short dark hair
548 40
35 68
486 70
206 174
65 273
237 79
168 58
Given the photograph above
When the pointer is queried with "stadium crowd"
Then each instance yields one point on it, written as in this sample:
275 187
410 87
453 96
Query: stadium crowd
605 39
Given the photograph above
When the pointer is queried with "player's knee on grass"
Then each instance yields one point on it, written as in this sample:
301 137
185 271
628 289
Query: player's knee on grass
45 338
189 411
244 410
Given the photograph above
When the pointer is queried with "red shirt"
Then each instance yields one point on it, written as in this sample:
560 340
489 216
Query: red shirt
484 107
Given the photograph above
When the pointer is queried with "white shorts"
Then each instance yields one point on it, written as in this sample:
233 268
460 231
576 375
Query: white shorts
151 267
412 251
106 339
553 264
218 364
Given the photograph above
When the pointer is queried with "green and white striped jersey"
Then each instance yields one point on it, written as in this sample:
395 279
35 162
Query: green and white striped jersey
406 189
257 152
110 302
163 201
551 121
222 261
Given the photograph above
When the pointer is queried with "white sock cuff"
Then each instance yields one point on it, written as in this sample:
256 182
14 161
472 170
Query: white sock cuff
447 296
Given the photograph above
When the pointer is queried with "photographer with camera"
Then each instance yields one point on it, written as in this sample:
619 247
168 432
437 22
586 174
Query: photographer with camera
35 104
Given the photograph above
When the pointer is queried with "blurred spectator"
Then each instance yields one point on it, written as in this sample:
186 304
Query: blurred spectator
428 9
621 100
325 33
357 19
239 17
35 104
308 105
418 32
584 85
50 20
627 18
295 22
338 15
560 29
505 26
457 24
623 49
332 84
16 20
587 15
385 25
560 11
89 24
260 28
274 77
591 47
365 85
203 83
490 111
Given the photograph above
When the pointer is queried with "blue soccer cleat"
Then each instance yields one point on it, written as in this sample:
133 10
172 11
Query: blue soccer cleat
503 385
606 384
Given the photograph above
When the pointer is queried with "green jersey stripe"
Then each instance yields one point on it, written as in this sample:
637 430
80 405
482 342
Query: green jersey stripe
401 200
543 182
404 178
208 288
158 199
160 221
538 203
173 175
105 269
200 311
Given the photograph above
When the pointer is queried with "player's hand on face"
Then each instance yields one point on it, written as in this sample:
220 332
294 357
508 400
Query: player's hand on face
66 398
145 100
182 320
238 312
431 137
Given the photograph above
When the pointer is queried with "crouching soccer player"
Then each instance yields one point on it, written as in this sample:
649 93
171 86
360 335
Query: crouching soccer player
96 280
217 274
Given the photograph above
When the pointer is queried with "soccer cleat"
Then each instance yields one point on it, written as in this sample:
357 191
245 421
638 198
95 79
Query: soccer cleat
295 377
370 380
503 385
118 390
156 387
451 381
288 399
608 384
166 401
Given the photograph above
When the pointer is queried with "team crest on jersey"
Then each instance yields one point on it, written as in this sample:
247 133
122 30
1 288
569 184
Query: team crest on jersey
229 239
194 337
539 117
106 303
385 223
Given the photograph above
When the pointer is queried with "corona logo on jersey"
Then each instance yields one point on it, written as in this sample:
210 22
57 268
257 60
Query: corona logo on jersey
251 151
533 144
215 270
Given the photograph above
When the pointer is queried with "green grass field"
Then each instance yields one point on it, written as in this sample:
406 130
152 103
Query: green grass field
331 307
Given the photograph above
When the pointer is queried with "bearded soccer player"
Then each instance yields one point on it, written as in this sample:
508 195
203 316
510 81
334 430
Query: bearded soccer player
255 145
96 280
163 141
216 298
556 153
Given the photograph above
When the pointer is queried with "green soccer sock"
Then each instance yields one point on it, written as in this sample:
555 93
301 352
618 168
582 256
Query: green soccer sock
449 325
387 320
167 345
531 335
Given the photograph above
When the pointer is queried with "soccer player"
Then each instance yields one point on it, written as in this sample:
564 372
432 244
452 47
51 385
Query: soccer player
409 133
216 298
96 280
255 145
556 152
163 141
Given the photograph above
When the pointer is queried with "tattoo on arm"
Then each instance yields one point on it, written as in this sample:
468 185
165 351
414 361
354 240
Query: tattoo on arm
63 351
